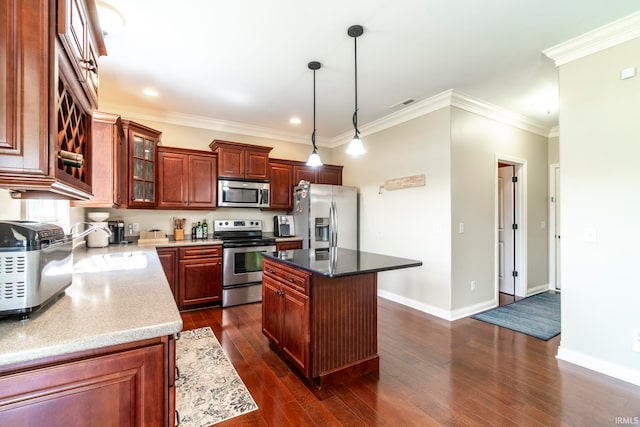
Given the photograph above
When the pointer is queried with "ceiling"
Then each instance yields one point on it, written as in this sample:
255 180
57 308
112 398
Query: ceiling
244 62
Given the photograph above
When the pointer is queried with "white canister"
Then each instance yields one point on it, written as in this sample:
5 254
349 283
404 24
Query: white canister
98 238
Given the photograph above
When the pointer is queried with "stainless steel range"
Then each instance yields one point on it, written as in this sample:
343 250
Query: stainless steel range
242 248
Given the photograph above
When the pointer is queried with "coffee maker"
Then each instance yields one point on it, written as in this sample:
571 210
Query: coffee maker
283 226
117 232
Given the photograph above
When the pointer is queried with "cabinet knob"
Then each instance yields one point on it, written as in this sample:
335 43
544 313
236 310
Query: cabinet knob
291 279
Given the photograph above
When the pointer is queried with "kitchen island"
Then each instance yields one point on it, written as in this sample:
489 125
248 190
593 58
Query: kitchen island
102 352
320 310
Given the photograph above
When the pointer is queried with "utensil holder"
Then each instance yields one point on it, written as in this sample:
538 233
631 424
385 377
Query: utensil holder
178 233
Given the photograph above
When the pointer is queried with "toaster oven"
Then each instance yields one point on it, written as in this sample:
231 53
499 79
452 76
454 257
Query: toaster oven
36 263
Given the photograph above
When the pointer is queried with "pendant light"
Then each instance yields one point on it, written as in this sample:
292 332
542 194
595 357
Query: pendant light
355 147
314 158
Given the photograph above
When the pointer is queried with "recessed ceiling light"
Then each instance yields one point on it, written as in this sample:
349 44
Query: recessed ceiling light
111 19
150 92
295 121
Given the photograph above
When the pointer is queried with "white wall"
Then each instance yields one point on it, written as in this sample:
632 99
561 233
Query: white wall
476 142
9 208
411 223
600 182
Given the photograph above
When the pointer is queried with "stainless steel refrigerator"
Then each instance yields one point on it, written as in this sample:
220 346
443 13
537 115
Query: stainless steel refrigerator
325 216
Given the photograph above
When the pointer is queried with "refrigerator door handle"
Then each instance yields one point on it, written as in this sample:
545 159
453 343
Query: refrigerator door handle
334 225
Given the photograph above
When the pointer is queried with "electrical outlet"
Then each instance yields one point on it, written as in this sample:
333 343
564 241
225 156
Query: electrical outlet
636 340
461 227
136 227
473 285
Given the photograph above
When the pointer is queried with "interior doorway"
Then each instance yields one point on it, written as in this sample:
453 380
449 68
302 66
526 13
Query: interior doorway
510 229
554 227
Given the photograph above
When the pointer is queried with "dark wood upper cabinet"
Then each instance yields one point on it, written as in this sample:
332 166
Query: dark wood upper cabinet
286 174
241 161
186 179
47 98
142 143
281 185
109 155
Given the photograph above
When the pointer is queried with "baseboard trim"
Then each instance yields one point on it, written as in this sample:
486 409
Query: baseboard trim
602 366
538 289
436 311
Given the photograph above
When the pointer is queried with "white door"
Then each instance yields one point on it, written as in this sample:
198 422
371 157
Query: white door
557 226
506 242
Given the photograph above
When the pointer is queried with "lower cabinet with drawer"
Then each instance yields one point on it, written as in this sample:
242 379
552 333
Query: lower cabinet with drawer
121 385
288 245
285 312
199 276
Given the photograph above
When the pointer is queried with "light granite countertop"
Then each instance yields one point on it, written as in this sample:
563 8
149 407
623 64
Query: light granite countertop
118 294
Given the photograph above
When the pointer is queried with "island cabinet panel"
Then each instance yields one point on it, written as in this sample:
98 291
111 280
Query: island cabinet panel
285 313
125 385
345 334
325 326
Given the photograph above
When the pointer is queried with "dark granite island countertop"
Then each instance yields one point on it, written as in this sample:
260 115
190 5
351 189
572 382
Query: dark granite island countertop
320 310
339 262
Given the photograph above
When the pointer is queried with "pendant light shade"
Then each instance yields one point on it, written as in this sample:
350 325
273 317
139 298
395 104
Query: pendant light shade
355 147
314 158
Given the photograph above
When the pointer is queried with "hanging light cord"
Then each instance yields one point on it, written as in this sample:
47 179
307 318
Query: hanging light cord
313 135
355 112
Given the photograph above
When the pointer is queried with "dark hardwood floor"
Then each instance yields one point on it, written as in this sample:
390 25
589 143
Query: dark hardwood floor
432 372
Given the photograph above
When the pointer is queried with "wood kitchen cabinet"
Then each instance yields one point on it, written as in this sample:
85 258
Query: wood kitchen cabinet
281 185
109 155
286 313
325 174
169 261
199 276
186 179
286 174
241 161
142 143
49 54
289 245
126 384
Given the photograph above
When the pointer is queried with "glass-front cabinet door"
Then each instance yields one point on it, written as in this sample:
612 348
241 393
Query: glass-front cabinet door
143 142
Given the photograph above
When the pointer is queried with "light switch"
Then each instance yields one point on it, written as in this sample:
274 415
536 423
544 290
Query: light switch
590 235
461 227
627 73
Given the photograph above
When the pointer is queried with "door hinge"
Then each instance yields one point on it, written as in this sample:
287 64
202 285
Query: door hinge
514 179
514 226
514 273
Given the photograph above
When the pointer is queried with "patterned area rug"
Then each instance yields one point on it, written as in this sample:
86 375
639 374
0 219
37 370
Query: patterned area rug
537 316
208 389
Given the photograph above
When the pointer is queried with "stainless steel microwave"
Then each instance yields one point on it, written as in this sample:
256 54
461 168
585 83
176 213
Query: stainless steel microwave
243 194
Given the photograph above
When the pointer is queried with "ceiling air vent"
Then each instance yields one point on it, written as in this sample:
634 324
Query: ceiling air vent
402 103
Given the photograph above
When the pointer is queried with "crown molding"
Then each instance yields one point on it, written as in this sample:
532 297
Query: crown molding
601 38
413 111
499 114
554 132
444 99
208 123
